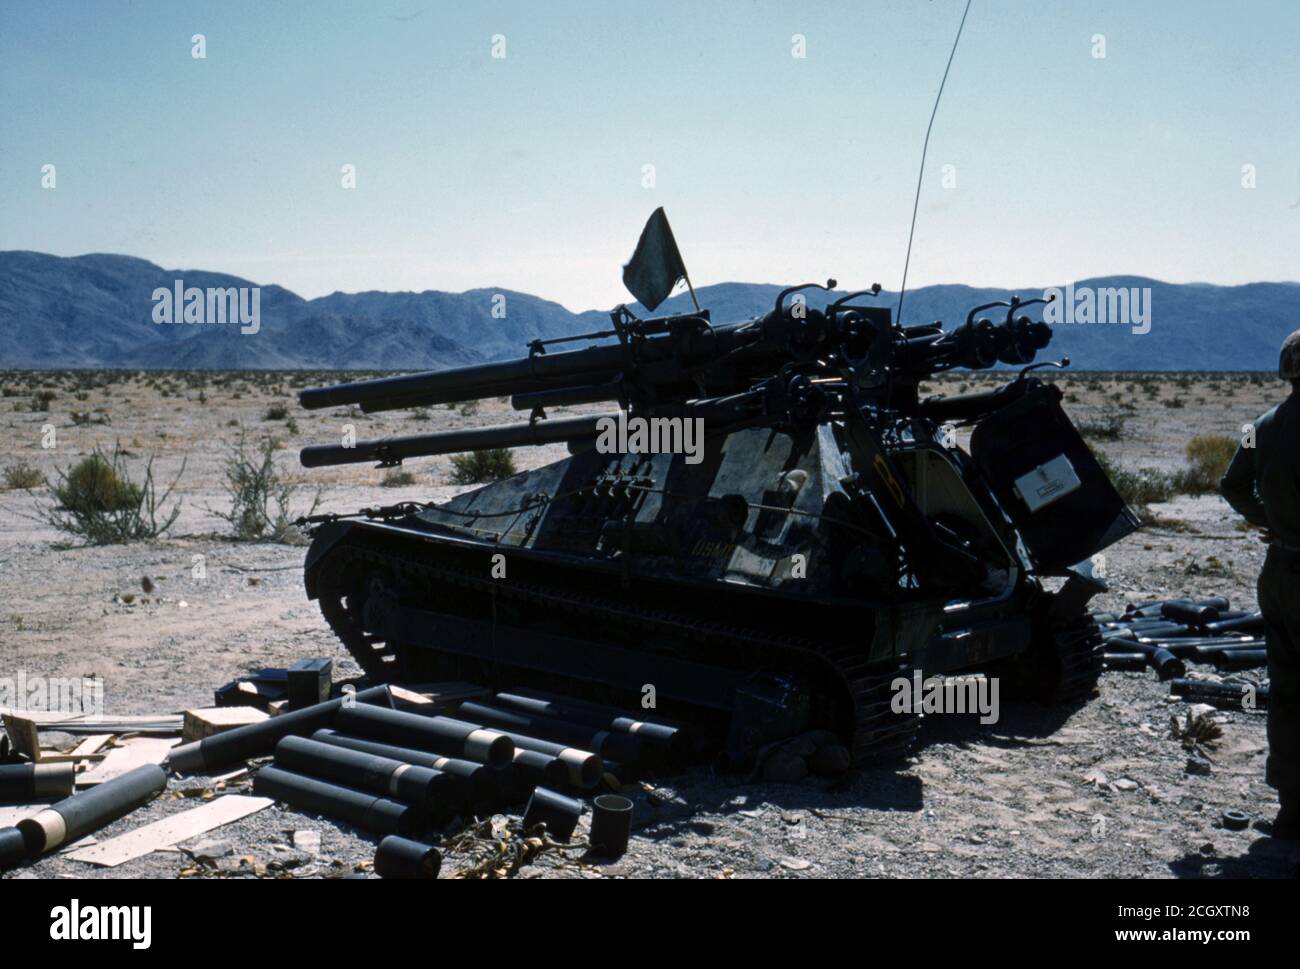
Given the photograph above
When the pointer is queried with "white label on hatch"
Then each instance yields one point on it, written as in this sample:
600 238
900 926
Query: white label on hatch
1047 482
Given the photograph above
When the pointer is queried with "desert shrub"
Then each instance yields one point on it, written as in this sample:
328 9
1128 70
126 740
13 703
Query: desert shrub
468 409
398 479
1140 487
1108 427
98 501
23 475
480 467
260 499
82 418
94 484
1208 457
276 412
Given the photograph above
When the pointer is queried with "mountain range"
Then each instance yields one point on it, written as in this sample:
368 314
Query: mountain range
98 311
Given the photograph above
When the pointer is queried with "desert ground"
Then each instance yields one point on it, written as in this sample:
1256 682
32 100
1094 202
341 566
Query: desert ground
1101 790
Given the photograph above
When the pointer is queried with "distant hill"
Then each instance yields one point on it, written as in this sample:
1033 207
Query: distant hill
97 311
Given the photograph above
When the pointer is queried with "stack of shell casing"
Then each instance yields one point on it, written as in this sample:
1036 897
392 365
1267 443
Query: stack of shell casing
1167 634
356 759
395 772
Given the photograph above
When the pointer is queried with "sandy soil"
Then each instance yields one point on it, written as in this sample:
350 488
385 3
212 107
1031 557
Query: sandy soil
1042 793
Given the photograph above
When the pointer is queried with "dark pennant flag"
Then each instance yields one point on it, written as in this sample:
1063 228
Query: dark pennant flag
656 265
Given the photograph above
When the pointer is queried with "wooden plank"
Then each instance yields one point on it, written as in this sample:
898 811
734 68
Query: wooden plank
207 721
171 830
92 745
49 757
228 776
89 750
22 734
84 723
133 752
435 697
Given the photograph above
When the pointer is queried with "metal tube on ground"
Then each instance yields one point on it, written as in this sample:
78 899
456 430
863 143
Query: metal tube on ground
1253 623
559 813
1154 606
13 848
1241 659
362 808
1189 613
582 767
1227 614
369 772
1163 629
455 738
79 815
259 739
1220 603
478 784
1118 632
611 825
1147 610
593 714
540 767
1135 629
35 782
604 742
1199 642
1206 654
1124 661
398 857
1232 694
1165 663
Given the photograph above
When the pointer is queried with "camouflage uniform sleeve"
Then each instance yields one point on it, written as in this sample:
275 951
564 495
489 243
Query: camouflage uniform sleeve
1239 487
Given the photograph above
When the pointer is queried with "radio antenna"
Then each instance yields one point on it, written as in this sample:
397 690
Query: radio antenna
920 176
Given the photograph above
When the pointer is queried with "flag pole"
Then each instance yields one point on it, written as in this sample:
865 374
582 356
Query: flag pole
686 277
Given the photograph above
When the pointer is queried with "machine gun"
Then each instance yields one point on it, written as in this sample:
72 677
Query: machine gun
794 365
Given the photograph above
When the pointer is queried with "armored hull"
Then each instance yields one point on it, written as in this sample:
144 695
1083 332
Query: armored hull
757 591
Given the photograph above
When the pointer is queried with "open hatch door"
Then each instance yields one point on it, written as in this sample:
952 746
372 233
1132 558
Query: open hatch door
1047 479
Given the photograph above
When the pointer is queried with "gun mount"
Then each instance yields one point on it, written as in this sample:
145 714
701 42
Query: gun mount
793 365
829 533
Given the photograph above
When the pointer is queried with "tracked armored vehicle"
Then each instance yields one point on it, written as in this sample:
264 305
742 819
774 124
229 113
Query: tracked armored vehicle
823 535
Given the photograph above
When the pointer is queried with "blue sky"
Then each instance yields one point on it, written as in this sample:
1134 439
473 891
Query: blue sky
526 172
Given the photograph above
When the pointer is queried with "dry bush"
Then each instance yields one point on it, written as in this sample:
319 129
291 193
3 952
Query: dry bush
99 502
1109 426
1141 487
260 499
398 479
1208 457
23 475
480 467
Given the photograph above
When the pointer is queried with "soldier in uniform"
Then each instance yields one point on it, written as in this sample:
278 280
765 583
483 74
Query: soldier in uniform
1263 485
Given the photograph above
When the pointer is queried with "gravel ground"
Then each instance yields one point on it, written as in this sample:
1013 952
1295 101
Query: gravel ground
1099 791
